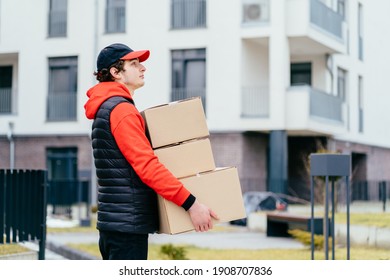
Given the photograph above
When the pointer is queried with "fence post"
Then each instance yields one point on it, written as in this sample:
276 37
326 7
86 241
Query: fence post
43 214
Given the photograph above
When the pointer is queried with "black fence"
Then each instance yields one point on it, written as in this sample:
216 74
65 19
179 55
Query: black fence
365 191
23 207
371 191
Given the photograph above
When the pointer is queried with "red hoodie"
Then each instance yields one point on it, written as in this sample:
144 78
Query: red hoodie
128 129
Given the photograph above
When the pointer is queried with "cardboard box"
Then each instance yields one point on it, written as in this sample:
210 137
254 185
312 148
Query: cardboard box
175 122
219 189
187 158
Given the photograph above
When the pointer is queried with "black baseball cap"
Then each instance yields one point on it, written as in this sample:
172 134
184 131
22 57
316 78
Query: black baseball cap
114 52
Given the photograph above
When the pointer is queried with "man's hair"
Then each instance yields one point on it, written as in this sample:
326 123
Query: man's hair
104 75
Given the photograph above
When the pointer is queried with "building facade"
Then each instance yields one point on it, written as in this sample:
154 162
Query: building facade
279 79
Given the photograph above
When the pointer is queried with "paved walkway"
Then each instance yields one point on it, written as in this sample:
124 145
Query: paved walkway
223 236
233 237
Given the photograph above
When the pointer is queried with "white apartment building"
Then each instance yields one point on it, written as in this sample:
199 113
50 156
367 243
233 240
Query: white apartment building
279 79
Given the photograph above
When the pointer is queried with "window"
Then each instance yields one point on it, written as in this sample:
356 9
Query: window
341 84
116 16
342 93
341 8
300 73
360 31
62 96
360 93
189 74
58 18
188 14
6 89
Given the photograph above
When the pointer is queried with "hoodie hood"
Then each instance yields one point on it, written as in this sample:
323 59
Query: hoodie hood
100 93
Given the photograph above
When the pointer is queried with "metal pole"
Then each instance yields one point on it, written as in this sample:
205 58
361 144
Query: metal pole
326 219
348 198
312 216
384 195
332 226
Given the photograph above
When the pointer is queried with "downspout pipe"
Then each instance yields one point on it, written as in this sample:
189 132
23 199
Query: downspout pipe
329 67
10 136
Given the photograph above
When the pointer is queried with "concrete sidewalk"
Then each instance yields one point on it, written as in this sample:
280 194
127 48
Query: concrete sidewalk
224 237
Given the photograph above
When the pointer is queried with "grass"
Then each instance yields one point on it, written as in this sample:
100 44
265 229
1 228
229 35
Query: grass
380 220
196 253
10 249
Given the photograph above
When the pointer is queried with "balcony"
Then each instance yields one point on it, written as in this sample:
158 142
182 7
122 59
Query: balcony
315 28
5 100
58 23
188 14
310 111
255 102
62 106
116 20
184 93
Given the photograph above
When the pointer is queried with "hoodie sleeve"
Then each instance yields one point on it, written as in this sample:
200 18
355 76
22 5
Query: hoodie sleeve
128 129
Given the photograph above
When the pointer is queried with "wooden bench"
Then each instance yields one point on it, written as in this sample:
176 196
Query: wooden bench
278 224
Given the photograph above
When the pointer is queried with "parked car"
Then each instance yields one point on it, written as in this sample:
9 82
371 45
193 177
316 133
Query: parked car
260 201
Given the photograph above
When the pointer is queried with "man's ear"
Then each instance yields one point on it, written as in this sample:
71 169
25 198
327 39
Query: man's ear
114 72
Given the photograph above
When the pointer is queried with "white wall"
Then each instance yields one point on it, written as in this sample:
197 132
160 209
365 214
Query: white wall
23 31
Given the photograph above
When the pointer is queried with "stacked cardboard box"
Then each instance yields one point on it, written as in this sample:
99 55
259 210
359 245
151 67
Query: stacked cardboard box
179 136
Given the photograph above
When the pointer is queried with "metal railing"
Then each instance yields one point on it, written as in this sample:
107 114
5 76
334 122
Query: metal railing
255 102
58 23
184 93
188 14
23 207
326 18
368 191
5 100
62 106
116 20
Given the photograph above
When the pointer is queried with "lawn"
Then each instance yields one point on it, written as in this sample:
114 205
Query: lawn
195 253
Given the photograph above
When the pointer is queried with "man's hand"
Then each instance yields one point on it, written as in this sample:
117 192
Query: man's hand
201 216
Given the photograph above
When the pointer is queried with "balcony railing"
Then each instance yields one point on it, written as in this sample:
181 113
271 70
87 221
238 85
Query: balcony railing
62 106
255 102
326 18
5 100
325 105
116 20
184 93
188 14
57 23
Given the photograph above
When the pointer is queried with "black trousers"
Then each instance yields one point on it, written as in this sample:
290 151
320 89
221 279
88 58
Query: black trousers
123 246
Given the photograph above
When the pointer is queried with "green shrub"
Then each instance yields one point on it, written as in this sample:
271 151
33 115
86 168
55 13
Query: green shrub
305 238
171 252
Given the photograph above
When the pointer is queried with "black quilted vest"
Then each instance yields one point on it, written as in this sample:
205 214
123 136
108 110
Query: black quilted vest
125 203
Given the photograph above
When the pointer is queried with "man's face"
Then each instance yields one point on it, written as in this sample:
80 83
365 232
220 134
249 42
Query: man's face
132 75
